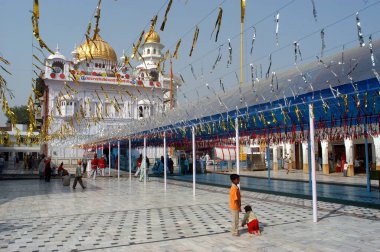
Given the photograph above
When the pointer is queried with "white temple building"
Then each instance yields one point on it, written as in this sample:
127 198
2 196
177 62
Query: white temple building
94 86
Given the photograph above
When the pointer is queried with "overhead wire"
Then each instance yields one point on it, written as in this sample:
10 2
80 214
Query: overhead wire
281 48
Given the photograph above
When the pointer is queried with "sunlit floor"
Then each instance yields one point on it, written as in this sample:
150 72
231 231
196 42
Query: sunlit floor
121 215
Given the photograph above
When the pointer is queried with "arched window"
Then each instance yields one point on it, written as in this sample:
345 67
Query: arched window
141 112
57 67
148 51
154 51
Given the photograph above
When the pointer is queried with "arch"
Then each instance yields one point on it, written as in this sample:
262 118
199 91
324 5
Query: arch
148 51
57 67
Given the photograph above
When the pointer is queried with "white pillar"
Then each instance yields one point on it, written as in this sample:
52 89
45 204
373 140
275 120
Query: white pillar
275 157
283 150
118 159
305 157
237 146
349 156
165 161
109 159
130 159
313 177
144 160
376 143
325 156
194 160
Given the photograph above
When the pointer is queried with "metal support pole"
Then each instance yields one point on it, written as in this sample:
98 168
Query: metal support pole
194 159
314 182
118 159
366 158
165 161
309 161
130 159
237 146
144 160
268 158
109 159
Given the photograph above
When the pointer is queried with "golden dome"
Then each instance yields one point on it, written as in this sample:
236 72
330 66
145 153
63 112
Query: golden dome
153 38
98 49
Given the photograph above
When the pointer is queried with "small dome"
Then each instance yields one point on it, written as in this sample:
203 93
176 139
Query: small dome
153 38
98 49
57 55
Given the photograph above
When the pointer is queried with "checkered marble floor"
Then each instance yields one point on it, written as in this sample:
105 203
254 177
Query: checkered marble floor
121 215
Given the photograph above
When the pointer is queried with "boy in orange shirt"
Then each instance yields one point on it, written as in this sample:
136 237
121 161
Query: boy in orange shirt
235 203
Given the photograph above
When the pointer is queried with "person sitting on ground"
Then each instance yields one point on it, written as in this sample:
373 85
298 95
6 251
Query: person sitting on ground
251 220
78 176
65 178
65 172
60 169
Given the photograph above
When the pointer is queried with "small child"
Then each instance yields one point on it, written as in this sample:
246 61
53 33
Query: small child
251 220
78 175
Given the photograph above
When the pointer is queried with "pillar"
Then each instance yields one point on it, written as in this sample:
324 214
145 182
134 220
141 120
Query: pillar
194 159
305 157
290 148
118 159
325 156
275 157
312 161
130 159
349 156
144 160
237 142
109 159
376 142
165 161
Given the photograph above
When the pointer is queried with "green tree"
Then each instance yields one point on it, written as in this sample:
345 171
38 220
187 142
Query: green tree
21 113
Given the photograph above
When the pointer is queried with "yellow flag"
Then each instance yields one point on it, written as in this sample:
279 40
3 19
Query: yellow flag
195 38
166 15
176 50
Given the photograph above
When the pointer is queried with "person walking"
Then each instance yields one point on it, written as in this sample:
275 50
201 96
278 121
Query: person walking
78 176
286 163
41 166
102 165
94 165
138 164
171 165
203 163
84 164
48 169
235 203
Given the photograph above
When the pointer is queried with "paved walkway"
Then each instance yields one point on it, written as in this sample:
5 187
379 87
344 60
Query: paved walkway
123 215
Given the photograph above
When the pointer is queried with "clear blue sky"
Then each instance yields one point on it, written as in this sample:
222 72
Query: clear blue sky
65 22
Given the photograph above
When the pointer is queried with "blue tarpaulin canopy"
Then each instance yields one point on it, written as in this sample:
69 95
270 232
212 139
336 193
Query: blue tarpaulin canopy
342 88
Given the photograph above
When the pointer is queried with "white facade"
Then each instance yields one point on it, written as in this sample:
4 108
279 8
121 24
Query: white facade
93 86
